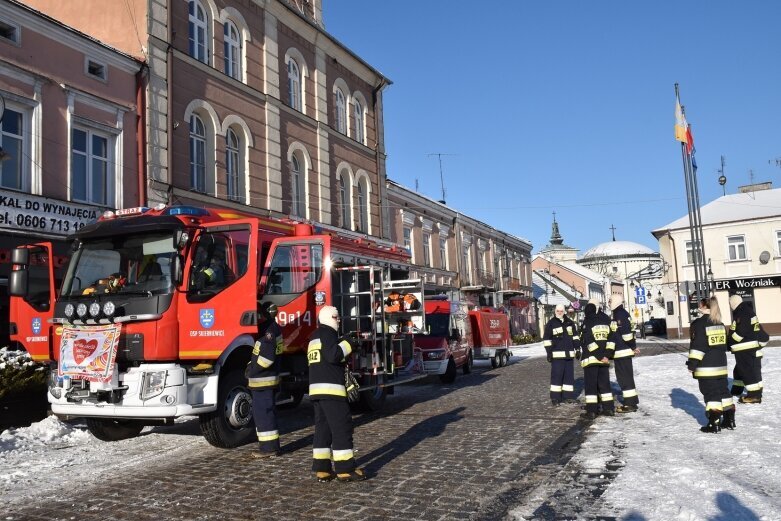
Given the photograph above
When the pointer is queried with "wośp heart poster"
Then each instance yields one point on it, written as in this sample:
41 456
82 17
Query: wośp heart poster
88 352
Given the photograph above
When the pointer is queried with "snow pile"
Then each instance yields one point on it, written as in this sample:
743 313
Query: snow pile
669 469
50 433
11 359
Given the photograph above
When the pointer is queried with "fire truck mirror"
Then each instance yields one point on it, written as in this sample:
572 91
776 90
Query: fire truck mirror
17 283
21 256
177 270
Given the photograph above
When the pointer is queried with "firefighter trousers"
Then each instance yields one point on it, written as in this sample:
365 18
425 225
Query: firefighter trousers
747 374
596 380
715 392
333 438
626 380
562 380
265 419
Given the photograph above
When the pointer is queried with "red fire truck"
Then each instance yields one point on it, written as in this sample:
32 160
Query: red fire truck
448 344
156 314
491 332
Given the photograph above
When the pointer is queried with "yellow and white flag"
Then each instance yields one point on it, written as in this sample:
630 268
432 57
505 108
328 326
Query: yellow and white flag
680 122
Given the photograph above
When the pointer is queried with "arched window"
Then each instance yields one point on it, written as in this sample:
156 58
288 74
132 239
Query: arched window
363 207
360 134
232 51
197 154
341 112
294 84
199 32
233 167
297 193
344 201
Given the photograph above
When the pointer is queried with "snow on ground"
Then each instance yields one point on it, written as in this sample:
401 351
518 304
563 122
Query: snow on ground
672 471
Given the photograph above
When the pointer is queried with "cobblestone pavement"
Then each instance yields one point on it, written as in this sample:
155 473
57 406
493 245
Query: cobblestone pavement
475 449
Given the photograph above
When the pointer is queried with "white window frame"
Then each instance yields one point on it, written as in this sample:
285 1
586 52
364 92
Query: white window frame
407 237
689 252
466 255
195 23
778 243
345 211
89 157
360 122
427 249
363 206
234 167
198 141
297 186
294 85
734 247
25 161
443 253
340 105
233 50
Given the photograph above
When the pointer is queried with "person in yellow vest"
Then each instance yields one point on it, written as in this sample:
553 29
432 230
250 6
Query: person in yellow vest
333 440
746 340
626 349
263 380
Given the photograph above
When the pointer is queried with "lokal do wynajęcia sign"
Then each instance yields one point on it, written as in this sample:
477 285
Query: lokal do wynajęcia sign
32 213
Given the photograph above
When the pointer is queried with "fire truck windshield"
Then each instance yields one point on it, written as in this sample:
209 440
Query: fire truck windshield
438 324
129 264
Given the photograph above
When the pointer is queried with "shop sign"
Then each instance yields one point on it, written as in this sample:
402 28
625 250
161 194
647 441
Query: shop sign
747 283
33 213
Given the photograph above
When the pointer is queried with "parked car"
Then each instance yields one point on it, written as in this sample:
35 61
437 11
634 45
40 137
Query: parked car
655 326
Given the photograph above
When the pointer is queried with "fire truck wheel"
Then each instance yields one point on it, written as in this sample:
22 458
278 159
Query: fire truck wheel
496 361
231 425
469 363
373 399
505 359
450 373
107 429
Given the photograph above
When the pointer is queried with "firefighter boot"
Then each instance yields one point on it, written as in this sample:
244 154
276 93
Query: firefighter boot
324 477
713 423
355 475
750 399
728 420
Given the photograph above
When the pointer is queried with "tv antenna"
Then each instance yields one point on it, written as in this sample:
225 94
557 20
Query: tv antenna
441 176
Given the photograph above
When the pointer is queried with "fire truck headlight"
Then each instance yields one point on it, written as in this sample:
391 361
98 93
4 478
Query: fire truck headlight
153 384
109 308
69 310
94 309
81 310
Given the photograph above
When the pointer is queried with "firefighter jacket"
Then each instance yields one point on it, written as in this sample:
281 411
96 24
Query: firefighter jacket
596 339
263 370
326 356
745 332
621 325
561 338
707 349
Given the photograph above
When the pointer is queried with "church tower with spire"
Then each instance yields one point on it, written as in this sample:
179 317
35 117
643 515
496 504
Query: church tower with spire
556 250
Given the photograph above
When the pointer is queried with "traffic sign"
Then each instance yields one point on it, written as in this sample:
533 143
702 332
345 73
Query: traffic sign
640 296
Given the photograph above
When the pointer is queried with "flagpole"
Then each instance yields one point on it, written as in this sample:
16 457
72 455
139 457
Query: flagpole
698 226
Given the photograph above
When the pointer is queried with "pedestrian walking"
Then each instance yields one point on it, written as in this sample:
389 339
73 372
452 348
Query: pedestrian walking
561 343
626 349
263 376
597 344
746 340
333 439
707 362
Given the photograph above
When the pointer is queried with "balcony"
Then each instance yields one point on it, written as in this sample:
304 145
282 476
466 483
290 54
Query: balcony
485 278
513 284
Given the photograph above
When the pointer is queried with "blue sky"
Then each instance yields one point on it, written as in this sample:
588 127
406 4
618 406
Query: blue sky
568 105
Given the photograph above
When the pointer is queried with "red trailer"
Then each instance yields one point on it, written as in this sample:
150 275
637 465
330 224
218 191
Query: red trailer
491 333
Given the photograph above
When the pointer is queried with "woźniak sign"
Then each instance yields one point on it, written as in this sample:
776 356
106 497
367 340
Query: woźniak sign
747 283
32 213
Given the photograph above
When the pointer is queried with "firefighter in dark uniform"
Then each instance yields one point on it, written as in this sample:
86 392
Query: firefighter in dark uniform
561 342
626 349
597 344
333 439
263 376
746 340
708 364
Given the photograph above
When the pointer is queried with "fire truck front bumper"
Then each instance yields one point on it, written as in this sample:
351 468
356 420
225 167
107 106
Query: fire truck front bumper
150 391
435 361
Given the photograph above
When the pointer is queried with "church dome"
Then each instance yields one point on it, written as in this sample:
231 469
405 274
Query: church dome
618 249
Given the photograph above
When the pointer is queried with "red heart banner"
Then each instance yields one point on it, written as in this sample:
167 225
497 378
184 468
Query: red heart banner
82 349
